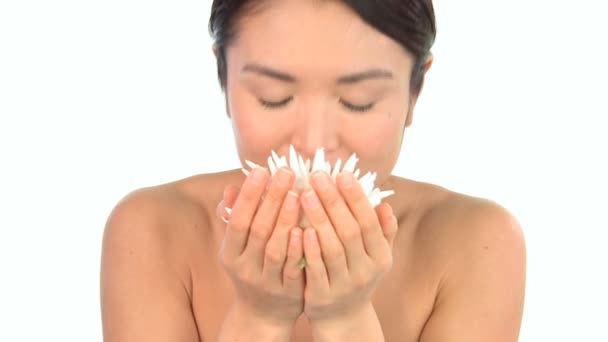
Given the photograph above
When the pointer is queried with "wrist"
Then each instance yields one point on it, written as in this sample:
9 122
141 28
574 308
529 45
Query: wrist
361 325
254 327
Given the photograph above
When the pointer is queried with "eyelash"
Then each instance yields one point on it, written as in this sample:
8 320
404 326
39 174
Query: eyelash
275 105
354 108
349 106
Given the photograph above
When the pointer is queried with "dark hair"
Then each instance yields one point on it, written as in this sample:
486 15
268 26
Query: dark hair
409 22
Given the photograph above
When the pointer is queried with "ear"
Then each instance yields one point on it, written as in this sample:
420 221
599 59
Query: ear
414 98
214 49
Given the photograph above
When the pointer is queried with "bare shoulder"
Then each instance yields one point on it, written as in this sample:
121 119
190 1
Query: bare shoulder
149 239
472 226
481 287
159 215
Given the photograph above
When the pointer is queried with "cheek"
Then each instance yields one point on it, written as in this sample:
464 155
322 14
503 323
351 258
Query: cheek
255 132
378 142
378 133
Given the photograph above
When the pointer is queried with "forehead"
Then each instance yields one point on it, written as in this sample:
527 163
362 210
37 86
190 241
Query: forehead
324 34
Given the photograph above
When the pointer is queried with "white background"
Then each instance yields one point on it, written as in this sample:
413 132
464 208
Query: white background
100 98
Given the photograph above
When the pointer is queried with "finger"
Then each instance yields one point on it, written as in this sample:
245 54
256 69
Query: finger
266 218
277 246
388 221
364 213
330 245
230 195
220 211
317 280
244 208
345 225
293 274
224 208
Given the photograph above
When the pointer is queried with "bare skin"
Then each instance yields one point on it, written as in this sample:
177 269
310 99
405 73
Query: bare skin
313 74
161 274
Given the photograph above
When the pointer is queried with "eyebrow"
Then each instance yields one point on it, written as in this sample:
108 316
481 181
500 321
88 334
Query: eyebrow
346 79
365 75
266 71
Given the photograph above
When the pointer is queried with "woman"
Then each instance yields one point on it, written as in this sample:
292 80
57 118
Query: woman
428 264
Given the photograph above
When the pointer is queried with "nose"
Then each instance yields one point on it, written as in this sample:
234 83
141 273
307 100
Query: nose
316 127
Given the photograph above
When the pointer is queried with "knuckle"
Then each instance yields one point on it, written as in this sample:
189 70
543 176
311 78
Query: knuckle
359 279
369 226
350 235
257 233
285 219
358 195
238 225
320 217
333 201
385 263
248 278
292 274
274 196
274 255
251 193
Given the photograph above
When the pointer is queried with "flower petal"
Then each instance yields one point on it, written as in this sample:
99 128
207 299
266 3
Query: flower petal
293 159
271 166
251 164
367 184
385 194
317 164
305 175
336 170
350 163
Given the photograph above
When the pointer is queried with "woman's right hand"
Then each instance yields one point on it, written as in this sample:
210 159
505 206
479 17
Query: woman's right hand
262 247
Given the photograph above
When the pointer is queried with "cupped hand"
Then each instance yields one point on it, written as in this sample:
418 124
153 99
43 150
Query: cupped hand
348 249
262 246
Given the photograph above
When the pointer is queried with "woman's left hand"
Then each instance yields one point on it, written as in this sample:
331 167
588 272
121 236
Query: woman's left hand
348 250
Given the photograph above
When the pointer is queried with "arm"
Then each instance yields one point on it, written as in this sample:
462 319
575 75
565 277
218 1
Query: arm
144 292
241 325
482 293
363 327
142 295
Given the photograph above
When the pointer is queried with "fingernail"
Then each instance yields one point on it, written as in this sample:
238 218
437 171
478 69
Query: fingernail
258 176
296 236
320 180
311 200
291 201
346 180
312 236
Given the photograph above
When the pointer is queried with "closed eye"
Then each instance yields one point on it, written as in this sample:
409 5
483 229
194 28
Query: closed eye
274 105
357 108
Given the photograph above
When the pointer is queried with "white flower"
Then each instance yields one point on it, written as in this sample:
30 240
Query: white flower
303 171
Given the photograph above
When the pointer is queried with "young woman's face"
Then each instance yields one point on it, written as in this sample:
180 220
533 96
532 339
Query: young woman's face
313 74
